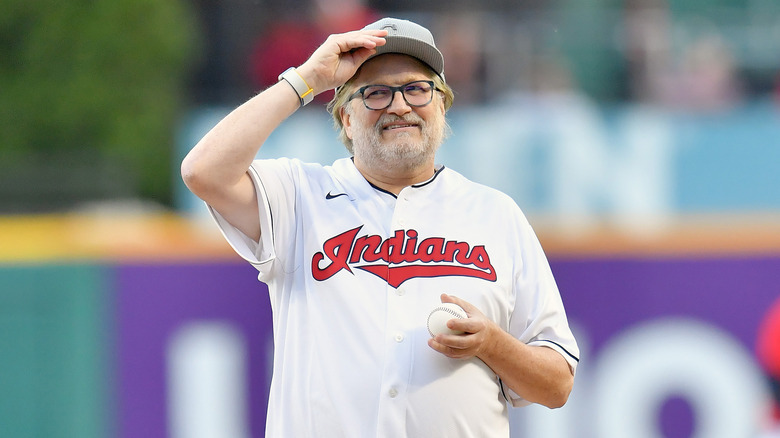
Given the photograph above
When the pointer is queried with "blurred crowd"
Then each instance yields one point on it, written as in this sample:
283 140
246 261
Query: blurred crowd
642 52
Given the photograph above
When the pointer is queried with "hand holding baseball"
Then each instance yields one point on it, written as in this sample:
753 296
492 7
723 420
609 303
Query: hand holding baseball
440 316
477 329
339 57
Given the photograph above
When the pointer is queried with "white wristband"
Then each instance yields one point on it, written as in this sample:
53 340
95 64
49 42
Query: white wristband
304 91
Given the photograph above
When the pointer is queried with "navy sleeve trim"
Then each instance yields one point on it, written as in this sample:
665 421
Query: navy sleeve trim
562 348
503 391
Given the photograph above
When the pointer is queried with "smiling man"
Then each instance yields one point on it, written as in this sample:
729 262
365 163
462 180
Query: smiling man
396 137
356 254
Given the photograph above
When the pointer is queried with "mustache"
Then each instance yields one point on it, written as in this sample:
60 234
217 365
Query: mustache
392 118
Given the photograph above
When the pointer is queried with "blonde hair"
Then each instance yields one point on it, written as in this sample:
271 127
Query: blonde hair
341 100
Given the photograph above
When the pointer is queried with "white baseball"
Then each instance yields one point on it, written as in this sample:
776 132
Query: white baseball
437 319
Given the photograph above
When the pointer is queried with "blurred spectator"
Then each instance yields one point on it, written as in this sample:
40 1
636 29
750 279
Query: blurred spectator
776 89
551 75
706 79
768 354
460 38
647 48
288 41
700 76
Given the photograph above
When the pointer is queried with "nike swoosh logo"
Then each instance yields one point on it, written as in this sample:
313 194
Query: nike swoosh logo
330 195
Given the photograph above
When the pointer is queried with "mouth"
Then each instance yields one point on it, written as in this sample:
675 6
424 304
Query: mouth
399 125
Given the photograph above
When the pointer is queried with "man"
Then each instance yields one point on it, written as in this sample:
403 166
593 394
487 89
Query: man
355 255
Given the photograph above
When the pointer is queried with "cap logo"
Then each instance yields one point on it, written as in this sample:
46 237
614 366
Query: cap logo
390 26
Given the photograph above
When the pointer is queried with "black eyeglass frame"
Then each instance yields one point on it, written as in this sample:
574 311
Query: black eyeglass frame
393 90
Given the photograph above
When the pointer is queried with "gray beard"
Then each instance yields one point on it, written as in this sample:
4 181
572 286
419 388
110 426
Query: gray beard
403 153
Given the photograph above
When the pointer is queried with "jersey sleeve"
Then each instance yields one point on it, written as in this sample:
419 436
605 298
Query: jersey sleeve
275 188
539 318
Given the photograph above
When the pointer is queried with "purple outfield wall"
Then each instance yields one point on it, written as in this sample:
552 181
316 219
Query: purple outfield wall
605 297
153 302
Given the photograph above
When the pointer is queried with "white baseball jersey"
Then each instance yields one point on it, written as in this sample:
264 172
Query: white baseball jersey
353 272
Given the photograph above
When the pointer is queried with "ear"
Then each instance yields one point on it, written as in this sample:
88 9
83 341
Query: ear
346 121
441 104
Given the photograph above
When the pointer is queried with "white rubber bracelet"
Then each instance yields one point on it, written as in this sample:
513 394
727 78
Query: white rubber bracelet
304 91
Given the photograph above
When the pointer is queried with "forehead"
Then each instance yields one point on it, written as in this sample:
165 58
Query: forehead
392 69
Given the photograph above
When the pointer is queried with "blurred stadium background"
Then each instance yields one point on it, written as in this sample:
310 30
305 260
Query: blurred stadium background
641 137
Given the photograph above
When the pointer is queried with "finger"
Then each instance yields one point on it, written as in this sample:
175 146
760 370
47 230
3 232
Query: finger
467 325
438 348
361 54
369 32
376 34
441 348
468 307
454 353
354 40
462 324
457 342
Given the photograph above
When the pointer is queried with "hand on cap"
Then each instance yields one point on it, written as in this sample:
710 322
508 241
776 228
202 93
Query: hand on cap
339 57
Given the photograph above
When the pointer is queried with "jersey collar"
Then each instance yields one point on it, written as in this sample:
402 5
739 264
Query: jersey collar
354 184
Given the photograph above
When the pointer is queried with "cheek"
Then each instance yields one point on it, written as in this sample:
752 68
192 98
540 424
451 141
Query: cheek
440 107
359 124
433 118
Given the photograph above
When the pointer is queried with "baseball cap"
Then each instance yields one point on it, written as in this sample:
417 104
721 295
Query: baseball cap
409 38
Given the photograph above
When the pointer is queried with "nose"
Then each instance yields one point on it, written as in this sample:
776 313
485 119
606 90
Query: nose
398 105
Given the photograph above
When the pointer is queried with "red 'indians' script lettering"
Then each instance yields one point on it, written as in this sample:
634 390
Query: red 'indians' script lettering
400 257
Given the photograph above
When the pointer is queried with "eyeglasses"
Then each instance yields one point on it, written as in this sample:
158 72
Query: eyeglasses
379 97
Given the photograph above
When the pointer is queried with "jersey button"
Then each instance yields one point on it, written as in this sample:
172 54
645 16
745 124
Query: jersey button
393 393
399 337
400 292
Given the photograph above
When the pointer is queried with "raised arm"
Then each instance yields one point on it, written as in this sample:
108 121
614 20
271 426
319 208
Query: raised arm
215 170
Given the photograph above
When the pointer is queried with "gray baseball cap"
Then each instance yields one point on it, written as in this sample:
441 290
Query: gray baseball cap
408 38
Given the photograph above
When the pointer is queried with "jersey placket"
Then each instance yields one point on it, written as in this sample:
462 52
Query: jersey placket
398 342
